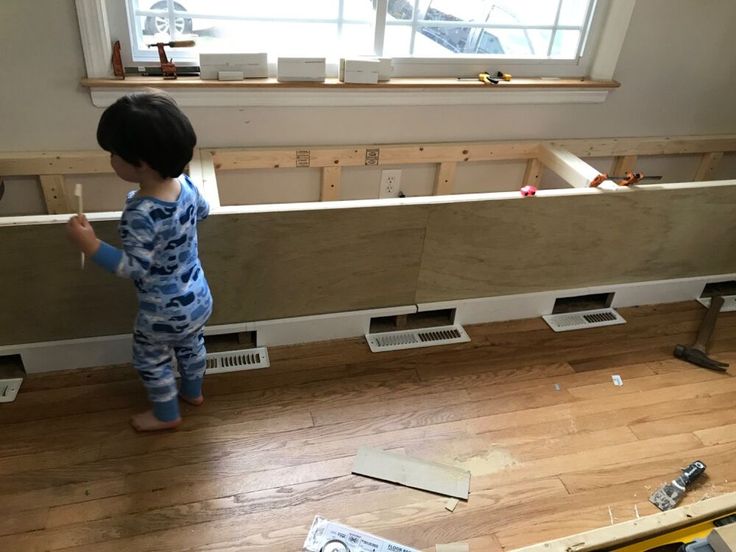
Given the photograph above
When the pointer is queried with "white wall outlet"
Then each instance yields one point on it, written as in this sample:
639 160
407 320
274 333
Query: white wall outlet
9 389
390 183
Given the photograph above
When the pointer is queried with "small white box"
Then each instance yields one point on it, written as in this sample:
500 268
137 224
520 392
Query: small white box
252 66
385 67
301 69
360 71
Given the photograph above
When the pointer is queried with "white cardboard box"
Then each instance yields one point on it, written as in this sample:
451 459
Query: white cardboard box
252 66
301 69
362 71
385 68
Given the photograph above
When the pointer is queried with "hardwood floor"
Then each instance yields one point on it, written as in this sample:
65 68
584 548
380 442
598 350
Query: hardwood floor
554 447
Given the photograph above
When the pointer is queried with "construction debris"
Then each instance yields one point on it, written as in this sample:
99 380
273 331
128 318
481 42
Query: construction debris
412 472
451 504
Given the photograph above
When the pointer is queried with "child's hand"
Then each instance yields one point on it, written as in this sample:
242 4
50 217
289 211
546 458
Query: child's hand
80 233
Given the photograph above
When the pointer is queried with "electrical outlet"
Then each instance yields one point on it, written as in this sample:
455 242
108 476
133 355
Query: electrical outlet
9 389
390 183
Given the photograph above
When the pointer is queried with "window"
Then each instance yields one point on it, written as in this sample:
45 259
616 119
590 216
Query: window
424 37
599 37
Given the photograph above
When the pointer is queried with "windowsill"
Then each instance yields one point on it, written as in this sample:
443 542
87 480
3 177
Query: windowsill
192 91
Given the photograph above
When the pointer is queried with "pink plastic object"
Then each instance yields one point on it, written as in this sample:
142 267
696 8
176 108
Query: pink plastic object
527 191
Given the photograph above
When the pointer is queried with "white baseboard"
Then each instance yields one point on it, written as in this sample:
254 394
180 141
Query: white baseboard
107 350
532 305
52 356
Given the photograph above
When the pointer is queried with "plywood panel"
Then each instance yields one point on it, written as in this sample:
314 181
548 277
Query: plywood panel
46 296
259 266
273 265
485 249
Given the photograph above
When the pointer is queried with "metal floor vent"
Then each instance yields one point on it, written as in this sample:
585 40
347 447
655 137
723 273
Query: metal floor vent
231 361
729 302
568 321
411 339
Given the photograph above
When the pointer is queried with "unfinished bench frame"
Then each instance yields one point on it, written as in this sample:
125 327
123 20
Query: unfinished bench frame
310 264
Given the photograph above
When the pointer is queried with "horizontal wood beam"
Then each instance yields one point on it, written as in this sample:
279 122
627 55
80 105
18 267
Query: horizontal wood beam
571 168
91 162
357 156
675 145
38 163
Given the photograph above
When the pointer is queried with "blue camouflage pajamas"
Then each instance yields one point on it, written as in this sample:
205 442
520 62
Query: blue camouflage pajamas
160 255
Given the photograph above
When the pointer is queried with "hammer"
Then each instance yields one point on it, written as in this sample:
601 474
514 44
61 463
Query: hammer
696 352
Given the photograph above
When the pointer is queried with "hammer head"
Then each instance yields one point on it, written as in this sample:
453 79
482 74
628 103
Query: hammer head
699 358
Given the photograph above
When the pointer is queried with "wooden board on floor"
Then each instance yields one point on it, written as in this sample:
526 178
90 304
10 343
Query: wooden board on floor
413 472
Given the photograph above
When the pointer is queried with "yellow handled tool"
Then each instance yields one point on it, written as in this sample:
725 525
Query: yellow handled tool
494 78
491 77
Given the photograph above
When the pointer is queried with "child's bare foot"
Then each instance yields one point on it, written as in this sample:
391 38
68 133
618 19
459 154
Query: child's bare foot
193 401
146 421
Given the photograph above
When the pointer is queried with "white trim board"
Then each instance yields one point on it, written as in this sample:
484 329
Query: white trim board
115 349
69 354
533 305
24 220
104 97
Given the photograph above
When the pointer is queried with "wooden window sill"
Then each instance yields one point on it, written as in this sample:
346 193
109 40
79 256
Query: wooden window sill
192 91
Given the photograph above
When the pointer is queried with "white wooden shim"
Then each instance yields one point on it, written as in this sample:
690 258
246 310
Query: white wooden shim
413 472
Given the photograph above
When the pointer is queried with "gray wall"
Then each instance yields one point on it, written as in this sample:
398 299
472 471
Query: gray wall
677 72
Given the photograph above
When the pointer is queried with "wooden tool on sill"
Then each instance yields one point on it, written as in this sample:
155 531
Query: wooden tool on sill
117 61
168 67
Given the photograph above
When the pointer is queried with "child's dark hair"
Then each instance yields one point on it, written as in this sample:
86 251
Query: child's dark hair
148 127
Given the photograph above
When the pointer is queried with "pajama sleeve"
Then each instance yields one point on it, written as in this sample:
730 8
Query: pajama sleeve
135 259
203 208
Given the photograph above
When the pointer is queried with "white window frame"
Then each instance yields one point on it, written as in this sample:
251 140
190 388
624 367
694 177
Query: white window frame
97 48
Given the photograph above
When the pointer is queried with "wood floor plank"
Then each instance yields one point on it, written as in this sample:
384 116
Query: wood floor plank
653 472
717 435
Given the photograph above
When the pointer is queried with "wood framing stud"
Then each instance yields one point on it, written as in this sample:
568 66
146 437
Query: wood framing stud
444 183
331 177
708 165
622 164
571 168
53 193
209 179
533 173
